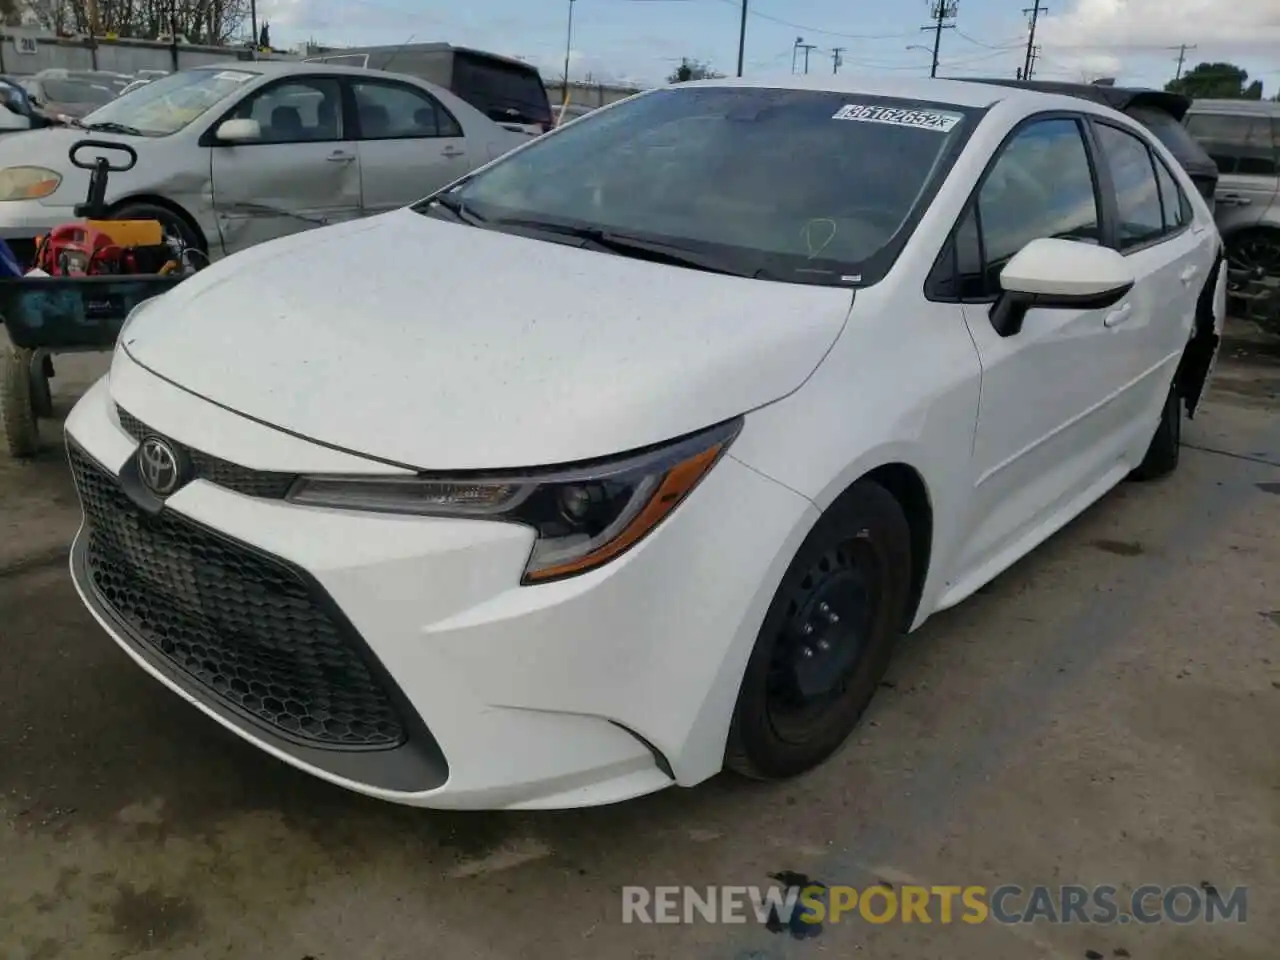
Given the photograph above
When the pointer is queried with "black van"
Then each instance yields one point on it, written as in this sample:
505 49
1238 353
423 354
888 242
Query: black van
508 91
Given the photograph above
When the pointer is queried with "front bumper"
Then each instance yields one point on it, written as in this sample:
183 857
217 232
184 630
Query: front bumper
586 691
28 219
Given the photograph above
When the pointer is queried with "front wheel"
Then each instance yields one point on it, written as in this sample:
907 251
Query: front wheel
17 407
826 639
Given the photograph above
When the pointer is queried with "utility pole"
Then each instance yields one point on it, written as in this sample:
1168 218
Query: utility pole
253 25
806 47
795 48
568 46
742 37
93 33
1182 56
1031 38
943 11
1031 62
836 59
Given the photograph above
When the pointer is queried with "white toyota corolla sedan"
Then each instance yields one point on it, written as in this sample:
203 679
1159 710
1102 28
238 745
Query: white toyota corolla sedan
806 362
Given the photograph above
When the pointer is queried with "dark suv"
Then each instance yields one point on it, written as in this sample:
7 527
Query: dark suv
1158 111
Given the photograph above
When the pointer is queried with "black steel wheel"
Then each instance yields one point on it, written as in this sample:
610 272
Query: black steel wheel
1253 276
826 639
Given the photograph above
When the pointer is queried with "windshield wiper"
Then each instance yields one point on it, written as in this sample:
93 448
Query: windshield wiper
629 246
110 126
458 209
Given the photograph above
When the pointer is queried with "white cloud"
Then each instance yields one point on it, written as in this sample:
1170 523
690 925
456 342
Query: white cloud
1248 26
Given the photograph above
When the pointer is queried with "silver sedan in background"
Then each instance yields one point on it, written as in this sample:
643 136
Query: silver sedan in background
229 157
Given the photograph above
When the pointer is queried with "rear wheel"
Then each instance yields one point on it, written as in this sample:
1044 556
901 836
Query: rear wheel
826 639
17 410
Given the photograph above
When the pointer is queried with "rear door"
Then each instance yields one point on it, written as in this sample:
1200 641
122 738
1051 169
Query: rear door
410 145
1154 229
1245 151
302 172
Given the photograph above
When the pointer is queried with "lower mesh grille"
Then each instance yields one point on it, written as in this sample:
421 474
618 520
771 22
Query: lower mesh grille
243 627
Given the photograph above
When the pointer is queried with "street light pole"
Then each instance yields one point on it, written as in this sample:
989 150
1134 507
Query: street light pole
742 37
568 47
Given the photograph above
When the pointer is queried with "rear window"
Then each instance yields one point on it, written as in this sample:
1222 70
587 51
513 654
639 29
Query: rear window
1240 144
502 91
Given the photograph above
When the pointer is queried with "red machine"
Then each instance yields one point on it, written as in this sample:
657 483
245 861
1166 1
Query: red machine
98 245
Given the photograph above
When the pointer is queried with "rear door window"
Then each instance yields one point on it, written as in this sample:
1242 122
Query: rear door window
1238 144
1137 193
503 92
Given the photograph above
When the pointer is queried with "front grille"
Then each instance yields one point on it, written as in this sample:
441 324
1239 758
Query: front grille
242 626
267 484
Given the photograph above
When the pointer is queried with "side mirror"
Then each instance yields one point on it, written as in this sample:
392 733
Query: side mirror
239 131
1050 273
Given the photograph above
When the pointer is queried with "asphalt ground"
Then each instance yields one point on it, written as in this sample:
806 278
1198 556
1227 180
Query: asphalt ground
1103 713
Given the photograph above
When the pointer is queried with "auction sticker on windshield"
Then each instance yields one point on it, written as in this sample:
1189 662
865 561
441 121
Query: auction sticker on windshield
894 116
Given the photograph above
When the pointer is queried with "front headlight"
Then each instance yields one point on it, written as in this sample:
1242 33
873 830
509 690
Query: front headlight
28 183
584 516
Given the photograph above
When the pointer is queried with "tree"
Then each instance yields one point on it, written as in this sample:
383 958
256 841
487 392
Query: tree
1216 81
264 37
692 70
200 21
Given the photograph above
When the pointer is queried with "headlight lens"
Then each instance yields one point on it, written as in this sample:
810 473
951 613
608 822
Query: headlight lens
584 516
27 183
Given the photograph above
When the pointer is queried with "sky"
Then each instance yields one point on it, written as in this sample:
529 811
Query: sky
642 41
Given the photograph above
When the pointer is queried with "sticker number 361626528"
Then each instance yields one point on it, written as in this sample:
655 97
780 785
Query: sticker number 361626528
898 117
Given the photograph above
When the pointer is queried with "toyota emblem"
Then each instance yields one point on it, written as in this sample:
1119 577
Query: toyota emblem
159 466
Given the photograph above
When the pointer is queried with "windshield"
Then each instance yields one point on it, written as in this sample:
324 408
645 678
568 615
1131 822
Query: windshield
77 91
166 105
802 186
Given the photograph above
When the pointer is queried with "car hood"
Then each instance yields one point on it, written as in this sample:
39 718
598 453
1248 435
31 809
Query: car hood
441 346
49 146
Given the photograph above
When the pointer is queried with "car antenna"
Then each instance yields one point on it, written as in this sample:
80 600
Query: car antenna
396 52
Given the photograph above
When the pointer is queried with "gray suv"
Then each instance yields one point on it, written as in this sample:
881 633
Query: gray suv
1243 138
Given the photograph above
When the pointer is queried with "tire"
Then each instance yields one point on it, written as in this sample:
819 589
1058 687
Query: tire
1162 454
171 223
1253 264
41 394
849 582
17 416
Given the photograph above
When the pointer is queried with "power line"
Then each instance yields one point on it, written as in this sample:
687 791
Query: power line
1029 63
943 11
826 33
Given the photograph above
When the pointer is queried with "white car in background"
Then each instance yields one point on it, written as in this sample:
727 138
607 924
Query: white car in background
806 365
230 156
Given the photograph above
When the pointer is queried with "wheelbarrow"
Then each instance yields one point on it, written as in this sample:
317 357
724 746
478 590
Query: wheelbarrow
102 269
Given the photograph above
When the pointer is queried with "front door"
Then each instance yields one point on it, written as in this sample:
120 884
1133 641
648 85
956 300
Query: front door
410 145
1050 420
302 172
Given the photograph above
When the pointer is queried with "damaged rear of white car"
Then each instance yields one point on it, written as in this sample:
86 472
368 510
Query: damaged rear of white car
807 365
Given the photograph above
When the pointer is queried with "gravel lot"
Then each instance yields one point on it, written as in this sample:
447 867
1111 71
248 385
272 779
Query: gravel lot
1103 713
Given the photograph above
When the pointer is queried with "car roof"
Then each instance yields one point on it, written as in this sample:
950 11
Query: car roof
275 68
957 92
1118 98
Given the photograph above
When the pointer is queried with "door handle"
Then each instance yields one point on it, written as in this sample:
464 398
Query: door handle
452 152
1234 200
1189 274
1117 317
339 156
